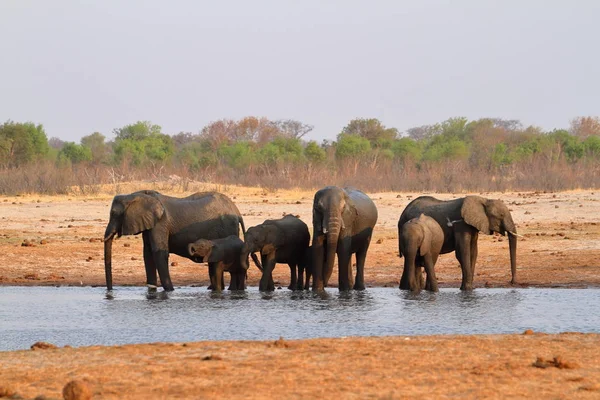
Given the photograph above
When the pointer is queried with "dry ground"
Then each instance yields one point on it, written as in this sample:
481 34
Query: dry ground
465 367
561 247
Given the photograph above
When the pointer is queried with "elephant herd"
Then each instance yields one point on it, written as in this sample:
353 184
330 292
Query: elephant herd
204 228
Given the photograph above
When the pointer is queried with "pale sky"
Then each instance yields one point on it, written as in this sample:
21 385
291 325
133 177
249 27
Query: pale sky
84 66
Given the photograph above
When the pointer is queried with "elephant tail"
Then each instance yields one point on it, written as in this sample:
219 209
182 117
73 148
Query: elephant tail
253 255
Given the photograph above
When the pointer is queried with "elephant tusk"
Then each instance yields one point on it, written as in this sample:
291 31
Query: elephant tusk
451 223
515 234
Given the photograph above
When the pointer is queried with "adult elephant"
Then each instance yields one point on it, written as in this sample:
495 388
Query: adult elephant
462 220
168 225
343 221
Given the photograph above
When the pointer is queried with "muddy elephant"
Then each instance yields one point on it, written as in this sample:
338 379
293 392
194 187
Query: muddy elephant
462 220
420 243
343 222
168 225
221 255
285 240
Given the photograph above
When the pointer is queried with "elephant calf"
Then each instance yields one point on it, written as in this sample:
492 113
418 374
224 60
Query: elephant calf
421 240
221 255
285 240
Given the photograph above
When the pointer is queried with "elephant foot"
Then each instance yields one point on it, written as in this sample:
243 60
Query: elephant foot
359 286
466 287
169 288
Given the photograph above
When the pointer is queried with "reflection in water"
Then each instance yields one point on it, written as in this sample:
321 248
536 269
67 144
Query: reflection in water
87 316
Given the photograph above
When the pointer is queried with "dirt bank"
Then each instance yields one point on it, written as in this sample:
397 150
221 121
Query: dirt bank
561 245
468 367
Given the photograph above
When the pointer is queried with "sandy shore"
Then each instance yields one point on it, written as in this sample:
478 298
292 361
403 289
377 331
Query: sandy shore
560 248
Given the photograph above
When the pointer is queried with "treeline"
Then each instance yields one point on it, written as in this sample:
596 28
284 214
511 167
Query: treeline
453 155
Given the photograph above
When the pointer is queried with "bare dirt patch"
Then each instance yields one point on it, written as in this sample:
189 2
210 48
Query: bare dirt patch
470 367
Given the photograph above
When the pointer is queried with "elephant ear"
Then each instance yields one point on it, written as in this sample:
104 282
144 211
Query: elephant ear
273 238
211 254
141 214
474 214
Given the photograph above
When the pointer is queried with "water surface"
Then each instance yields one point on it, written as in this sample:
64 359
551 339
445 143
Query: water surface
88 316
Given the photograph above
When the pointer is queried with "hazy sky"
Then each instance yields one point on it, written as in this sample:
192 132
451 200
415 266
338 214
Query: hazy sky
84 66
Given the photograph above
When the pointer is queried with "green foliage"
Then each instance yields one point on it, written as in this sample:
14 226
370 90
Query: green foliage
501 155
141 143
441 148
591 146
138 131
351 146
21 143
97 145
74 153
371 129
237 155
407 149
314 153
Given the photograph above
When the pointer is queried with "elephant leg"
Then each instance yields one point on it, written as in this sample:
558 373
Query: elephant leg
161 259
474 238
463 255
151 278
318 261
361 256
344 267
216 276
300 280
266 281
431 278
293 276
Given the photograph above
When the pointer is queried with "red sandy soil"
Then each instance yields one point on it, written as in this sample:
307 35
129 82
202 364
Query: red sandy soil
465 367
560 248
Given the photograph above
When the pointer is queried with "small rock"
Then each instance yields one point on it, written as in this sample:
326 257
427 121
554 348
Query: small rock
6 392
69 226
89 259
126 244
298 202
27 243
133 259
265 200
32 277
43 346
379 241
528 332
43 241
487 284
527 212
174 264
76 390
212 357
555 206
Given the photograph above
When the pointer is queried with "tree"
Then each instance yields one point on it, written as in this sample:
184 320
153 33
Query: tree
56 143
371 129
585 126
138 131
314 153
97 145
74 153
142 143
21 143
351 146
292 128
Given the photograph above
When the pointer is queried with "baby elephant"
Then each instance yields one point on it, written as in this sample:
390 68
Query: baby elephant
420 242
283 240
222 255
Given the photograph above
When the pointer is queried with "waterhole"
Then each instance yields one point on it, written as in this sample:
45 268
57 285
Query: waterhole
91 316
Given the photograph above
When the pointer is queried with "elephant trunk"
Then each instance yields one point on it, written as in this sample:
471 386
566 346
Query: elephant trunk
108 261
333 226
244 257
512 246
